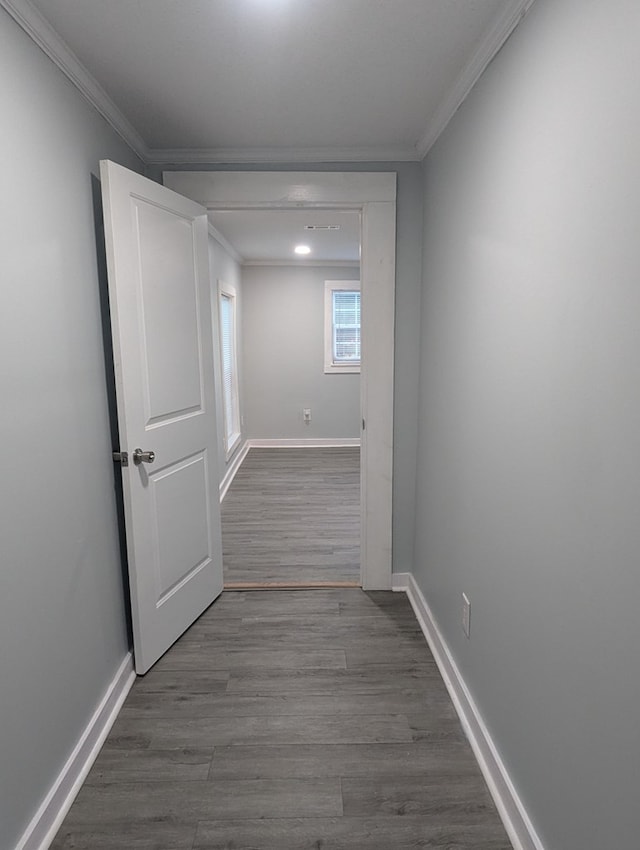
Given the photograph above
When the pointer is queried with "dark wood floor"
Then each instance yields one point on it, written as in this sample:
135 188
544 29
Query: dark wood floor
293 516
289 720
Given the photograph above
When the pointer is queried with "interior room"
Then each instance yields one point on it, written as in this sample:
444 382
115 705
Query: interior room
500 532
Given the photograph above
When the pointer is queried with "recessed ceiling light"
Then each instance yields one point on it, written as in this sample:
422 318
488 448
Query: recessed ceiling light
302 249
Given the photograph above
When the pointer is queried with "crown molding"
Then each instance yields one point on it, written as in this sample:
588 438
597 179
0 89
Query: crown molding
224 243
493 40
174 156
47 39
320 264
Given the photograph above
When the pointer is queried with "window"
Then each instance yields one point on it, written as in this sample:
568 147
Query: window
341 326
230 394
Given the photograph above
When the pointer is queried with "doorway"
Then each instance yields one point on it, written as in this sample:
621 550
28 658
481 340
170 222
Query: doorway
373 196
287 287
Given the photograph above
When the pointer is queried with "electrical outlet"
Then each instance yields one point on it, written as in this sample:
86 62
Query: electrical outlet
306 415
466 615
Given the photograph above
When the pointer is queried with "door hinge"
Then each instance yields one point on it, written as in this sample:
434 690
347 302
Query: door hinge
363 424
121 457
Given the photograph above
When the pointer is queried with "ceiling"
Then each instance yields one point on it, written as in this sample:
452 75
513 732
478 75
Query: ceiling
273 80
260 237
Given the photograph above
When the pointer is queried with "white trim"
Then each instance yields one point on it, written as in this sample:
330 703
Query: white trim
232 468
373 194
172 156
510 807
400 582
378 284
323 264
233 190
304 443
48 40
224 243
493 40
48 819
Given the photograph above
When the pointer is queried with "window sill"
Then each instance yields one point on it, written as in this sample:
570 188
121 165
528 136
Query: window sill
335 369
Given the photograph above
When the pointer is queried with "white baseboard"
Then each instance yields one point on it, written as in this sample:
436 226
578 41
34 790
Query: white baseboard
304 443
53 809
400 582
233 467
510 807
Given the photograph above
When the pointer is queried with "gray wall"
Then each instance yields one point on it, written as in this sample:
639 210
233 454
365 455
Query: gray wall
223 267
407 347
529 467
62 622
283 356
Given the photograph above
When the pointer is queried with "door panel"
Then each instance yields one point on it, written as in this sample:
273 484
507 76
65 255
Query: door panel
183 543
159 294
169 312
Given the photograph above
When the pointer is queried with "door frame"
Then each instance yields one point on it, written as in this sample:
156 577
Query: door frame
373 194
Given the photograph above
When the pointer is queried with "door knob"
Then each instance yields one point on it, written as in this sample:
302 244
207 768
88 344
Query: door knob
143 457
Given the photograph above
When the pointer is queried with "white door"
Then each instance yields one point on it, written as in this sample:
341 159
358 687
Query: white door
159 295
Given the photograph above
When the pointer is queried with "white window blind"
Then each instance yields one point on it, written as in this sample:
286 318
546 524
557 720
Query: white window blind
346 326
230 395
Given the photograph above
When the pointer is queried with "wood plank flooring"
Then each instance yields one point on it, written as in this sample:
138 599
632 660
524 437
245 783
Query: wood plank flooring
289 720
292 516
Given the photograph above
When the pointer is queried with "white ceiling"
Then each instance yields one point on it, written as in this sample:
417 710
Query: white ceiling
272 80
269 236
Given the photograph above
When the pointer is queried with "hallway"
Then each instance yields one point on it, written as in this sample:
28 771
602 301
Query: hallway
289 720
